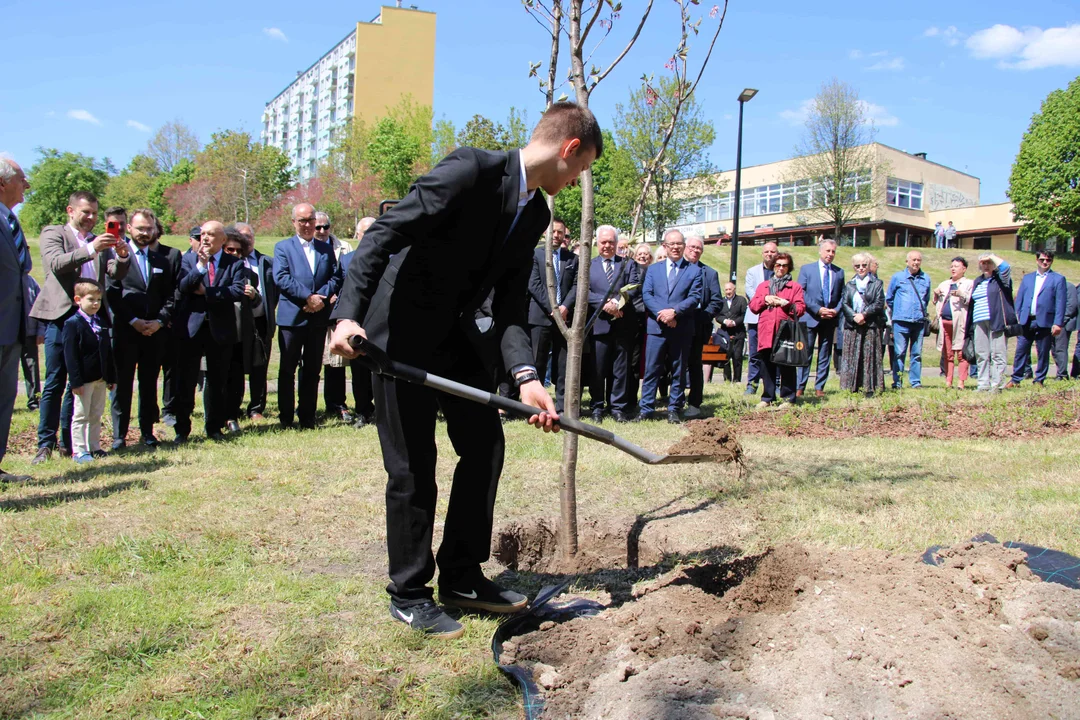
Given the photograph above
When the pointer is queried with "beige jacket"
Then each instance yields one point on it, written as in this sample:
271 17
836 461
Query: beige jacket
959 311
63 259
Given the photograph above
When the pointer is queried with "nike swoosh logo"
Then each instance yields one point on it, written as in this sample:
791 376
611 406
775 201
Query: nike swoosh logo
469 595
407 618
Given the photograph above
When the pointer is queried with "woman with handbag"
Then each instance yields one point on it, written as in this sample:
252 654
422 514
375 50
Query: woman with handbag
990 320
775 301
951 300
863 307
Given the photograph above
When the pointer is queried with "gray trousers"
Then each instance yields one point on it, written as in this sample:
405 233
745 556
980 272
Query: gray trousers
10 357
1061 354
990 350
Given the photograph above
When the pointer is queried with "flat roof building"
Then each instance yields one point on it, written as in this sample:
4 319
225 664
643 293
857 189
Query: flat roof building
363 75
915 194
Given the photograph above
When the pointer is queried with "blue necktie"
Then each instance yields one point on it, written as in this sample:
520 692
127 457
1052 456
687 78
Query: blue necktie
671 279
826 288
20 244
141 255
558 280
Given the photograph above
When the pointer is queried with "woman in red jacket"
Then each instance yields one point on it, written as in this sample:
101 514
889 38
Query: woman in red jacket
776 299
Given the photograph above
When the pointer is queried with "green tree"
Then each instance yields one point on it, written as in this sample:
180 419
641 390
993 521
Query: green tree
131 188
244 176
481 133
173 143
1045 181
392 154
182 172
616 183
444 140
52 180
640 128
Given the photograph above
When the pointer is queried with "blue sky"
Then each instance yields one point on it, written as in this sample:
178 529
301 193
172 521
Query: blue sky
957 79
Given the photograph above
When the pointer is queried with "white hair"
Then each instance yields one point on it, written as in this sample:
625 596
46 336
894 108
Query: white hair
612 228
7 167
827 241
321 216
698 238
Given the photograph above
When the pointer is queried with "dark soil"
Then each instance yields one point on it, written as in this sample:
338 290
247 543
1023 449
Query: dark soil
1031 416
712 437
798 632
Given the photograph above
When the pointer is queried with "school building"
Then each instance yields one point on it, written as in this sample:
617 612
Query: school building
915 194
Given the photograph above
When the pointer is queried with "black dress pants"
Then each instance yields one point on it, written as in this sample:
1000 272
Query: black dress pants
134 350
170 375
334 389
215 382
405 416
770 371
301 344
547 339
733 366
613 382
256 386
694 368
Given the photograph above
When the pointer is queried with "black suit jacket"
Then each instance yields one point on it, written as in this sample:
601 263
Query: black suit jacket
426 266
598 289
87 355
711 295
539 307
153 298
216 306
736 312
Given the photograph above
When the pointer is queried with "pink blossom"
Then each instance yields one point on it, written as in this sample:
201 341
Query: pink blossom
715 11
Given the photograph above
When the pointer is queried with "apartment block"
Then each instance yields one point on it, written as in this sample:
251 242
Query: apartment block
363 75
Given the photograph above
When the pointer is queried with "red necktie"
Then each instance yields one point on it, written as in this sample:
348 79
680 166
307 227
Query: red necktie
210 270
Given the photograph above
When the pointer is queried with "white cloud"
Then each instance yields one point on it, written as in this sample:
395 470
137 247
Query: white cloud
83 115
879 53
1029 48
855 55
874 113
895 64
138 126
275 33
951 36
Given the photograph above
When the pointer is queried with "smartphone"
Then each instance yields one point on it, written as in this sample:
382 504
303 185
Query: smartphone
114 228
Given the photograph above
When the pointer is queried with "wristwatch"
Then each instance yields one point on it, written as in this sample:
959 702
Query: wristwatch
527 376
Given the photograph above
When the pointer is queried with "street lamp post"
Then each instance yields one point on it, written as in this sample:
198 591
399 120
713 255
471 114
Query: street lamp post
744 97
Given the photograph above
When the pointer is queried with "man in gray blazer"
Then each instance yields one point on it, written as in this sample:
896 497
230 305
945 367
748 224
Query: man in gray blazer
69 252
15 263
755 275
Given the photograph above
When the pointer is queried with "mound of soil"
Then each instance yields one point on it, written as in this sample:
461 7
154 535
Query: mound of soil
712 437
798 632
1036 416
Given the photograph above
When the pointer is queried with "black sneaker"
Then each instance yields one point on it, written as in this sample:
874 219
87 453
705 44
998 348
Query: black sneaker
428 618
483 595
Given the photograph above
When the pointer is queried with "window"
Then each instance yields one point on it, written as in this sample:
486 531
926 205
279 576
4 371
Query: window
904 194
983 242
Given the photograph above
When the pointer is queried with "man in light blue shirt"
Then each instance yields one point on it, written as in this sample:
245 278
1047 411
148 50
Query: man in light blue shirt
907 299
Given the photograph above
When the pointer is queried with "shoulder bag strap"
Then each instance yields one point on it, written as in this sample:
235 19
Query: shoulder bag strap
919 296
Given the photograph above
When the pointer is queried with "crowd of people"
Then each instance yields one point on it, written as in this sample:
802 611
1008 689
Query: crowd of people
116 311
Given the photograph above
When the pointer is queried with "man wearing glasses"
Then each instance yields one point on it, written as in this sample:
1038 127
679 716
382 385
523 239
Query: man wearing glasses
307 275
1040 308
672 293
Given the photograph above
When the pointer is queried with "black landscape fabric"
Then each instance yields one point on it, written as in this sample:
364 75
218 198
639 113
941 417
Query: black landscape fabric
1050 565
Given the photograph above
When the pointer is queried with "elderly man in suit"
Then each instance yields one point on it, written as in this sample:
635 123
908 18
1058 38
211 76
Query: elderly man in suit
210 283
671 293
823 288
307 275
333 366
703 324
1040 309
614 333
256 325
755 275
467 228
15 265
142 303
732 320
69 252
546 338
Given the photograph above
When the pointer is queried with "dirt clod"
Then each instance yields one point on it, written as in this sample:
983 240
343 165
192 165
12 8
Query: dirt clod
887 636
712 437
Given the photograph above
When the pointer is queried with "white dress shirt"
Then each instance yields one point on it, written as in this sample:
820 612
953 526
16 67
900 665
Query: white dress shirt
309 252
85 240
1040 279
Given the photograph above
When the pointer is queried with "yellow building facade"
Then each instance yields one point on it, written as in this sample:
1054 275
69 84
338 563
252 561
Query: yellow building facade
912 193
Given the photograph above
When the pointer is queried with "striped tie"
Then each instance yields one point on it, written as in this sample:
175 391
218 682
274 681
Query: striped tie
609 271
20 244
558 279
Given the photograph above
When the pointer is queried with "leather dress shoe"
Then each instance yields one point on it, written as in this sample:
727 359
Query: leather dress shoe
1010 384
819 393
619 417
119 444
798 393
673 418
150 441
257 416
365 420
43 454
6 477
347 417
598 415
181 440
99 454
234 427
216 436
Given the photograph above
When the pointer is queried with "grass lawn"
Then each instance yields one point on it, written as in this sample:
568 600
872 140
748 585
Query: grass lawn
245 579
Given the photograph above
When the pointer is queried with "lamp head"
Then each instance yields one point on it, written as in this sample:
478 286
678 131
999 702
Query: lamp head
747 94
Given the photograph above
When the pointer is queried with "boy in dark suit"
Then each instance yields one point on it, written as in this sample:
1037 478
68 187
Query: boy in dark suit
464 230
88 357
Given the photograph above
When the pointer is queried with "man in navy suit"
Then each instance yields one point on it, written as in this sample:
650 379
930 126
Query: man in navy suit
307 274
707 309
210 282
1040 308
142 303
545 335
672 293
15 263
823 288
613 335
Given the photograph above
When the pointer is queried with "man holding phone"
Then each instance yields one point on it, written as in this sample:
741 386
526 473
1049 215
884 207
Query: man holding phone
69 252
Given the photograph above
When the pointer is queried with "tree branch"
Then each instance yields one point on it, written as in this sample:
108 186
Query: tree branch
629 45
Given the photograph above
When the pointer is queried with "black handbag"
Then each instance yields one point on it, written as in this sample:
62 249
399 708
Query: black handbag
968 350
721 339
1011 330
790 346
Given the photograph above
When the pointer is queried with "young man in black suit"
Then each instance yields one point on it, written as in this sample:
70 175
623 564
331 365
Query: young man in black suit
210 282
467 228
546 338
142 303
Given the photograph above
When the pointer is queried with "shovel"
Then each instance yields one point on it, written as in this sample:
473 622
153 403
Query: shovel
377 361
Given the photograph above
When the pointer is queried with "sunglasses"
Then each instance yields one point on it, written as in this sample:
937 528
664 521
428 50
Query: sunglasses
780 264
859 265
232 250
322 227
